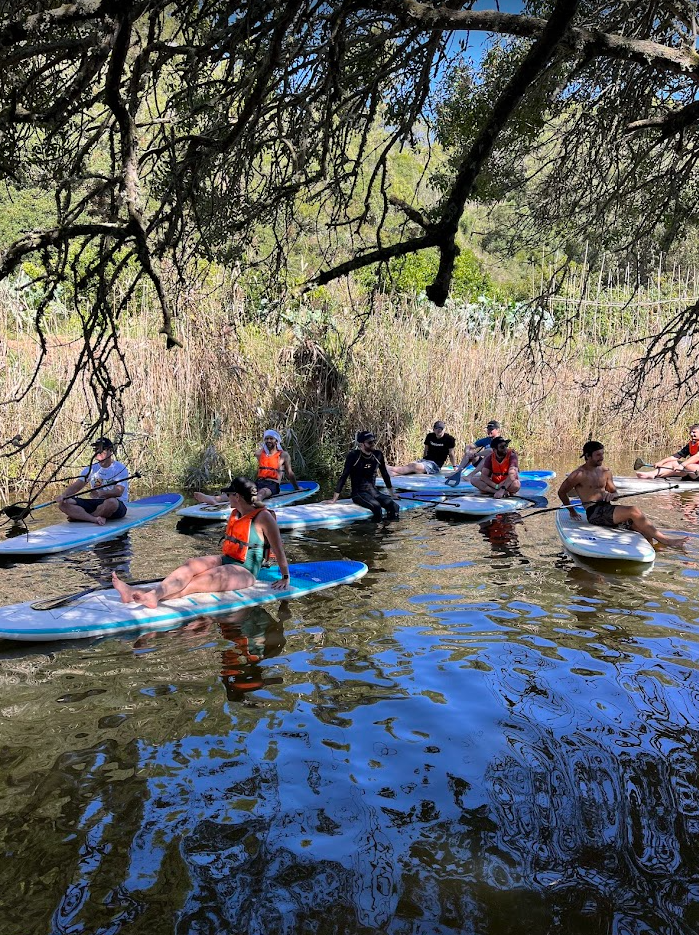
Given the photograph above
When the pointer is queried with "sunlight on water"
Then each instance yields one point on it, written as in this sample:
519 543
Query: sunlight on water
481 735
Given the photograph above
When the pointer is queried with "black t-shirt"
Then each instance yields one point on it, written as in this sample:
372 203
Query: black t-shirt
438 448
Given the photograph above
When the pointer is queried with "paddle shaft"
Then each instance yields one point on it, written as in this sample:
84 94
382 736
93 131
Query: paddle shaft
51 603
15 511
622 496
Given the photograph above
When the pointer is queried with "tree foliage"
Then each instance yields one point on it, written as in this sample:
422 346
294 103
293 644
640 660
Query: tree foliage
171 131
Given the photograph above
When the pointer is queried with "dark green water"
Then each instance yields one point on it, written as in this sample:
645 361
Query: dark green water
479 736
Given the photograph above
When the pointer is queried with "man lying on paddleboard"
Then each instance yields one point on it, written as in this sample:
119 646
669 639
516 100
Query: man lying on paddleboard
499 473
594 484
273 462
108 497
684 463
438 447
251 526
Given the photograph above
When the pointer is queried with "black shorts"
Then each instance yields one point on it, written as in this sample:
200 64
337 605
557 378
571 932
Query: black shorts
269 484
601 513
90 505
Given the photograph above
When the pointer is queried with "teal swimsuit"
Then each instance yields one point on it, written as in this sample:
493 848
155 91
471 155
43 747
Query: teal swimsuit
254 555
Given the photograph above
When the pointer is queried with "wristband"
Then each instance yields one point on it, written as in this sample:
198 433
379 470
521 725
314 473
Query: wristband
285 576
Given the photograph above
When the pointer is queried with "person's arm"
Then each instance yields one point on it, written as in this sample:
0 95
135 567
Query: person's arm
113 489
610 486
288 470
270 530
568 485
513 470
384 471
74 488
350 461
452 458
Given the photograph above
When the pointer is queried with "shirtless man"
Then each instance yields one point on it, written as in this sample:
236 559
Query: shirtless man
499 474
594 484
684 463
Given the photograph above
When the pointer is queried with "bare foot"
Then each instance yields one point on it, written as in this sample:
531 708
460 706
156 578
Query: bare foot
125 590
130 595
675 543
147 598
203 498
99 520
499 494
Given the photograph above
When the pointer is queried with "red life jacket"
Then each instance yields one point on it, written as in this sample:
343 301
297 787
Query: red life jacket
270 465
236 541
499 469
693 448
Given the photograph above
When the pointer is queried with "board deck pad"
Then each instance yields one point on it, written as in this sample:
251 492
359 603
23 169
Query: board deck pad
102 613
205 513
639 485
328 515
480 505
588 541
63 536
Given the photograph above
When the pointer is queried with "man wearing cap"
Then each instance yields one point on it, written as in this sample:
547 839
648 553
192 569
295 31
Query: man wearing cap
474 454
361 465
499 473
438 447
109 489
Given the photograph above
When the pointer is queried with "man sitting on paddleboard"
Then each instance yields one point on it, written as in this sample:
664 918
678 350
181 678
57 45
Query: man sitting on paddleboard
108 497
684 463
250 526
499 473
475 454
438 447
273 462
594 484
361 465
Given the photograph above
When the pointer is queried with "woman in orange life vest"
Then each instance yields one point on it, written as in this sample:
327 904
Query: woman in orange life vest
250 526
684 463
499 475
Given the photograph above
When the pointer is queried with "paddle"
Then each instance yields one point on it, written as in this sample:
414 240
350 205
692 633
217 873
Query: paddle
642 493
17 512
52 603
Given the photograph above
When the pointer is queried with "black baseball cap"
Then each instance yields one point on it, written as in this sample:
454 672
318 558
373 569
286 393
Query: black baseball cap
365 437
438 424
493 424
101 444
499 440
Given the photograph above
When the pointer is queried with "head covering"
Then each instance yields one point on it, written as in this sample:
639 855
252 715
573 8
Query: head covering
589 448
493 424
438 424
365 437
499 440
273 434
103 443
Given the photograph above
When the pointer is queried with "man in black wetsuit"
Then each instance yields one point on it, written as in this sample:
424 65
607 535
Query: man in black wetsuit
361 465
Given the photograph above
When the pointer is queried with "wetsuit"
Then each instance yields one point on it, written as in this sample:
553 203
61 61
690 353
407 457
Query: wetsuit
361 470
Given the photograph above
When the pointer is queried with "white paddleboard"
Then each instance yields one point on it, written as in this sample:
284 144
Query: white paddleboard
480 505
219 513
581 538
64 536
102 612
436 484
639 485
327 515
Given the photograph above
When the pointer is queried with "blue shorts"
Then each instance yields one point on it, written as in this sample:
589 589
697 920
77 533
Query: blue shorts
90 505
429 466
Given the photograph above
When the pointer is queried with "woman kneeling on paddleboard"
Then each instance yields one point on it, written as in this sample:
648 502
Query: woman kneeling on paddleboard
250 526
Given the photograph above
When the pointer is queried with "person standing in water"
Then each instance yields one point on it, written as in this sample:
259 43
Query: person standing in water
594 484
250 528
361 467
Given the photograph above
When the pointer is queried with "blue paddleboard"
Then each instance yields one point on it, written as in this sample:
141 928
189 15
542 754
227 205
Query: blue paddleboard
102 613
64 536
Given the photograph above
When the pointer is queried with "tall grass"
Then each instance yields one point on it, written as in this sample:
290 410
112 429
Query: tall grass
194 415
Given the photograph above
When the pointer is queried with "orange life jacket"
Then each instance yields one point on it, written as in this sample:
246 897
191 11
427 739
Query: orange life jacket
236 540
499 469
270 465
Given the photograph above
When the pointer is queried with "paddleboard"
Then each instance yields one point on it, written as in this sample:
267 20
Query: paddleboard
102 612
328 515
638 484
480 505
219 513
63 536
435 484
588 541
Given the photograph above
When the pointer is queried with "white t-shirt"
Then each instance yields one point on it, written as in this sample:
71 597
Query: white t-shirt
104 478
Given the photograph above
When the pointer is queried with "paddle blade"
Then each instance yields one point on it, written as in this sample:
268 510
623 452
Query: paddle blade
454 480
16 511
639 463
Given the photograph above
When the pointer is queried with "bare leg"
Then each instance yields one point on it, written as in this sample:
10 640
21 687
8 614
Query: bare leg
642 524
171 586
208 498
484 484
414 467
264 493
75 512
107 508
